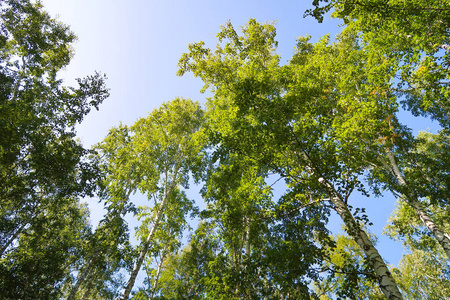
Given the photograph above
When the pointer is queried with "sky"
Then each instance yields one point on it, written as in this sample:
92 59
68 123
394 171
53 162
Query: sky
138 43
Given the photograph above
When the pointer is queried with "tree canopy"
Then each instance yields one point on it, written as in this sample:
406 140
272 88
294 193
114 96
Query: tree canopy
278 149
44 169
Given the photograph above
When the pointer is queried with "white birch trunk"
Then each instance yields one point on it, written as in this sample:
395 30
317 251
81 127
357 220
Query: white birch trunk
386 282
442 237
82 276
247 235
143 253
158 272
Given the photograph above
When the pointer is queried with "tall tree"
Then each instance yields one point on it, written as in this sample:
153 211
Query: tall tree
43 168
414 39
158 154
289 117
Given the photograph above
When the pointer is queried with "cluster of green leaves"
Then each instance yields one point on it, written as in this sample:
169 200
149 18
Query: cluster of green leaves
415 35
303 121
423 270
43 168
349 276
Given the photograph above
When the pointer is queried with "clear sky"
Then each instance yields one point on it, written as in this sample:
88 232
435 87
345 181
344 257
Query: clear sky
137 43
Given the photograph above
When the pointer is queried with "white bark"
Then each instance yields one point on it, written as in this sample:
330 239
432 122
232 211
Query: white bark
82 276
442 237
386 282
168 189
158 272
143 253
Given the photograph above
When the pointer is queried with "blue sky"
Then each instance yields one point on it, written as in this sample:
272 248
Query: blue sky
137 43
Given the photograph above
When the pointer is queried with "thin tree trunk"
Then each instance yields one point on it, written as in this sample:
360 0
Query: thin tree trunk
87 269
440 236
142 254
247 236
386 282
82 277
158 272
12 238
411 199
87 292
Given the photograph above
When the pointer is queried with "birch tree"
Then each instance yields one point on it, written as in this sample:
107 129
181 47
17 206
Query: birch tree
159 151
287 116
44 170
414 38
423 270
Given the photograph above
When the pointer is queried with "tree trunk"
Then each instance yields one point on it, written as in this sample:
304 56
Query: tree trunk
247 237
87 269
387 284
12 238
142 254
440 236
158 272
411 199
82 276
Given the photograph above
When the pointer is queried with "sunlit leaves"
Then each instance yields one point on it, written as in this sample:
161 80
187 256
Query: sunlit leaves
43 168
155 157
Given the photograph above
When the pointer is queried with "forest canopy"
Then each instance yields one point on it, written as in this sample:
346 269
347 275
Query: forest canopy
278 148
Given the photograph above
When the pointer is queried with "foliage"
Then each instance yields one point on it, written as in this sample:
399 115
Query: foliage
311 121
43 168
186 274
416 60
423 270
47 249
405 226
347 275
155 157
278 149
428 167
415 36
424 275
104 254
